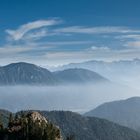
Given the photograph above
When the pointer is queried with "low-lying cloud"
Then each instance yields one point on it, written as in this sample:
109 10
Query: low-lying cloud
75 97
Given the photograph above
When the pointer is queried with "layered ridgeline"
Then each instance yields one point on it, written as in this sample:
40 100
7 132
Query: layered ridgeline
103 67
125 112
78 75
25 73
100 66
72 126
29 126
123 71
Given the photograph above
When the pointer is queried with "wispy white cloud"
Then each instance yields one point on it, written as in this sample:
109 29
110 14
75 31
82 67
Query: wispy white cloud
11 49
23 29
129 36
54 52
102 48
131 41
64 57
64 43
35 35
96 30
133 44
57 57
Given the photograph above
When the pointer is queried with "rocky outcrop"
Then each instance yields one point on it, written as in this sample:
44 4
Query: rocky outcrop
30 126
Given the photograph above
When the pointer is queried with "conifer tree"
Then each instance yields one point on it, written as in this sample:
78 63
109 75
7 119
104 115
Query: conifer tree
10 120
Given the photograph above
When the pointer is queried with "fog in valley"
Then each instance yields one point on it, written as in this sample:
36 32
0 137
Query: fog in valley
77 98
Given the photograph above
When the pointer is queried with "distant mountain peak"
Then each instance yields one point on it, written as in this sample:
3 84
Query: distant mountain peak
21 64
79 75
23 73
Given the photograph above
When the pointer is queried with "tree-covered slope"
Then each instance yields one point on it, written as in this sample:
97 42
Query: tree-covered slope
78 127
124 112
89 128
4 116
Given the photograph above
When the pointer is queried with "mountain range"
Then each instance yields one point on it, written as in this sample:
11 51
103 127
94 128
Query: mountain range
30 74
124 112
98 66
77 127
78 75
122 71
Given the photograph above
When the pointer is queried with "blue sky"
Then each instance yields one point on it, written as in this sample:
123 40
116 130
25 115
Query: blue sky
56 32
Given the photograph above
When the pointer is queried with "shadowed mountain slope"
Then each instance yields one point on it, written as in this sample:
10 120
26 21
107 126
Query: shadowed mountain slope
125 112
